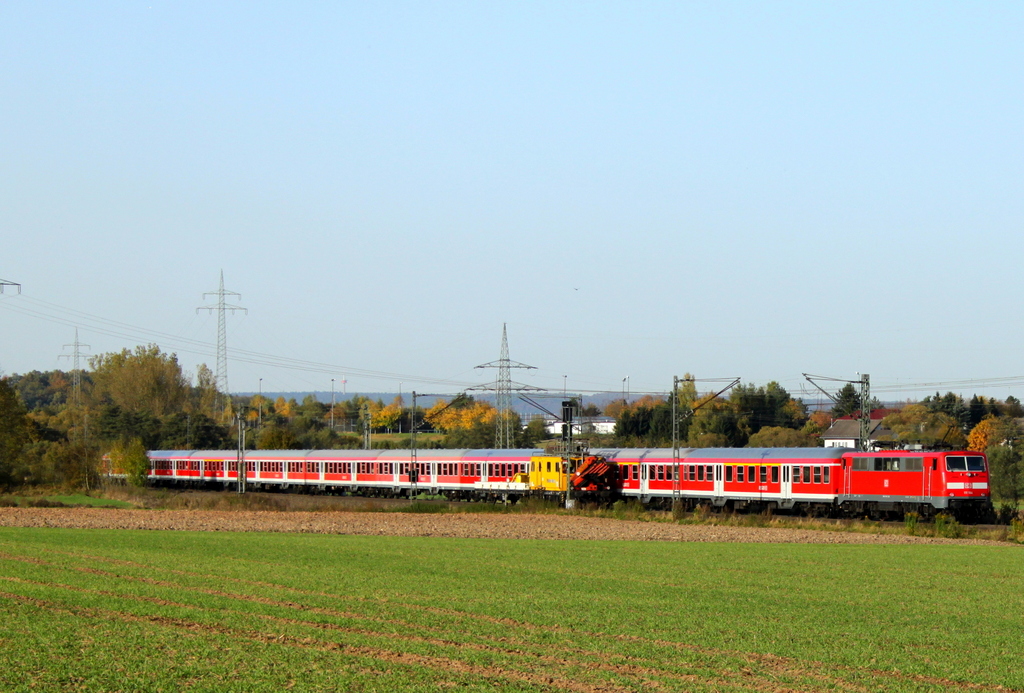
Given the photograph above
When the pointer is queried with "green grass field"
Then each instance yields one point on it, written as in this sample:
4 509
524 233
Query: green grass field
107 610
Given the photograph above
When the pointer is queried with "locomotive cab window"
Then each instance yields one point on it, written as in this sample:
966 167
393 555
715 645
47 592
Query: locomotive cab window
969 463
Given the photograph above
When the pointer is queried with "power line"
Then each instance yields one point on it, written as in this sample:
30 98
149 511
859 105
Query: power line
52 313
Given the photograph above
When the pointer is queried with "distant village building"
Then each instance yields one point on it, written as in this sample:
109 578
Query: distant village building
590 424
845 432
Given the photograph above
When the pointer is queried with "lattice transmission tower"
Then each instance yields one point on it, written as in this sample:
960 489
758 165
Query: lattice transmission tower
222 333
76 373
503 388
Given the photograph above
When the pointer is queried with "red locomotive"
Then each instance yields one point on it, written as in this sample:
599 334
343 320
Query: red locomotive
825 481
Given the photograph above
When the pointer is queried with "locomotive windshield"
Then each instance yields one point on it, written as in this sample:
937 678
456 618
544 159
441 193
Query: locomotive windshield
969 463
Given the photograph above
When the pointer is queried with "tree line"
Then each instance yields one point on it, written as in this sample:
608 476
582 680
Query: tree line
52 432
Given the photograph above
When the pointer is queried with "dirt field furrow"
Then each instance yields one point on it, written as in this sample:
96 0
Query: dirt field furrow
456 525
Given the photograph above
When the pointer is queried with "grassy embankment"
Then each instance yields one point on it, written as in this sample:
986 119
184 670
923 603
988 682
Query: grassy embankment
127 610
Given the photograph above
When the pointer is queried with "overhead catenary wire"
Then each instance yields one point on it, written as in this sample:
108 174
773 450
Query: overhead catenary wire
121 330
61 315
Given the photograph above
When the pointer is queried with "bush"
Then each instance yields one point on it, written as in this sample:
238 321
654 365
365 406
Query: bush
130 457
910 522
43 503
1017 529
947 526
424 507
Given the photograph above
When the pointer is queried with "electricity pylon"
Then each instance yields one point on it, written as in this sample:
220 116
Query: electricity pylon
76 373
222 334
504 437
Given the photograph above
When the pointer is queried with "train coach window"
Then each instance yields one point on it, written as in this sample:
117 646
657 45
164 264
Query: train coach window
775 475
764 475
700 473
807 475
824 474
795 475
817 475
750 474
739 473
728 473
709 473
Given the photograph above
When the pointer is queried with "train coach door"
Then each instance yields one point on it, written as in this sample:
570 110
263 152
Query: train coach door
719 483
786 485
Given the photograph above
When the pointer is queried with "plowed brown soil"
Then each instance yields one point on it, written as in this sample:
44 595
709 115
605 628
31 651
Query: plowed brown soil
462 525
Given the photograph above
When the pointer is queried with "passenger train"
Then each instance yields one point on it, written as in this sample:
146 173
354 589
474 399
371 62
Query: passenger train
817 481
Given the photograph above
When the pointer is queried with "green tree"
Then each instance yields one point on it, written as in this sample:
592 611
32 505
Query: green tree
277 438
49 389
1012 407
14 431
534 433
197 431
205 394
142 380
1006 473
780 437
847 401
114 423
769 405
952 405
916 423
129 456
716 424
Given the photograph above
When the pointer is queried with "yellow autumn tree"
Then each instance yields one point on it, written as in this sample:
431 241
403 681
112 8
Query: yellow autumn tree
992 430
386 417
917 423
455 418
285 408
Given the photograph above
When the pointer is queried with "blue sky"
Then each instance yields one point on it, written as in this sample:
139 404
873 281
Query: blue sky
637 189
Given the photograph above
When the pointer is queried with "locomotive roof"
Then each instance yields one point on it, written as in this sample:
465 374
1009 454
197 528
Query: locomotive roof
767 453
